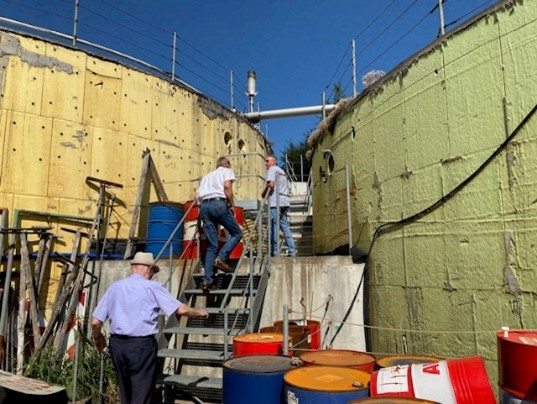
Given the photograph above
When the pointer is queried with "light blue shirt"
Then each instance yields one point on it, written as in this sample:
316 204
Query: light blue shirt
132 305
277 175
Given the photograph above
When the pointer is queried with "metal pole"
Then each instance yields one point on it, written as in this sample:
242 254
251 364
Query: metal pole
348 205
301 169
353 67
75 27
285 330
277 227
441 9
324 104
231 90
173 54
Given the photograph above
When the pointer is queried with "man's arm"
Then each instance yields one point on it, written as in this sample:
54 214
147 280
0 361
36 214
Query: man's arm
98 337
187 311
270 186
228 191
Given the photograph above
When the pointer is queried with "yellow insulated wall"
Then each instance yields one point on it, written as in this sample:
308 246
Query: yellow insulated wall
66 115
442 280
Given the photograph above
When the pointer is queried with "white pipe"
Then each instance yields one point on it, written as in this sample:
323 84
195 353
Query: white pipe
288 112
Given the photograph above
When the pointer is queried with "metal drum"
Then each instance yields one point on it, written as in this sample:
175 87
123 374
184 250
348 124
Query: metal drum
256 379
391 400
257 344
341 358
325 384
517 359
314 330
299 337
451 381
162 220
397 360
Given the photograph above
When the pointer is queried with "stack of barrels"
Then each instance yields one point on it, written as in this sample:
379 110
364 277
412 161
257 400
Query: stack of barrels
260 373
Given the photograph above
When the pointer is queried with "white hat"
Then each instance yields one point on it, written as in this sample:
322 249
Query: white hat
145 258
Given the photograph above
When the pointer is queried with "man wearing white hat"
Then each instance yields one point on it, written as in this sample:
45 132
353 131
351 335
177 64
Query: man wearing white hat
132 305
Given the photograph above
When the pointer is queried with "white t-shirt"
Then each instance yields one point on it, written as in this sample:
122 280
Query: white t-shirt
283 187
212 185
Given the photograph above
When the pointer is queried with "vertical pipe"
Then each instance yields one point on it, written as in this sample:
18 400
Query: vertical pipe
277 219
231 90
301 169
349 218
226 338
285 330
75 24
353 67
173 54
324 104
441 10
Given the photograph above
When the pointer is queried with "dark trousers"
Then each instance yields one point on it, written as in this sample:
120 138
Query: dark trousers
135 362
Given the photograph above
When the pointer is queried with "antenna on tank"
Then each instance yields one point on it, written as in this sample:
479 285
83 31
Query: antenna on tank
251 89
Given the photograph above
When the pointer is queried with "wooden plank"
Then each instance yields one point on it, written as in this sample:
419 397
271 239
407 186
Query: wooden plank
137 205
157 183
30 285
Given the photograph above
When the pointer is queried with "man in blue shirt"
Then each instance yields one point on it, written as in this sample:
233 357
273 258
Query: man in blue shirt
277 188
132 305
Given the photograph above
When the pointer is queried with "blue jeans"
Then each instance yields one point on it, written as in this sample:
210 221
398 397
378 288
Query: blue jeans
213 213
284 227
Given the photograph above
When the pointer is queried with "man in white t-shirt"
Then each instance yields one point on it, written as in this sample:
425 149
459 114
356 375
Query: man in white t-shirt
278 189
215 196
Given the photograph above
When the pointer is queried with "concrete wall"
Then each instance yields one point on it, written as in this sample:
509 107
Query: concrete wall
319 289
442 282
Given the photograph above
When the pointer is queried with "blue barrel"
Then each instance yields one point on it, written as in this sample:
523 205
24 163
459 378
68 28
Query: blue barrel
162 220
255 379
325 385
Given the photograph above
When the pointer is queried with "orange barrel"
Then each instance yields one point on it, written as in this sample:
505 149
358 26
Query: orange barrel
341 358
396 360
313 326
325 384
299 337
258 344
451 381
517 359
391 400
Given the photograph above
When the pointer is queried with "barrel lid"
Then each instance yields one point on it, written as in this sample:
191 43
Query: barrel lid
259 338
328 379
391 400
262 363
399 360
524 337
337 357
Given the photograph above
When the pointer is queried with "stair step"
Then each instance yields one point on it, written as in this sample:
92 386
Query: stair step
193 381
201 331
234 292
217 356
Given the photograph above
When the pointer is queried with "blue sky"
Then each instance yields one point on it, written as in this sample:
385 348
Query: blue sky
298 48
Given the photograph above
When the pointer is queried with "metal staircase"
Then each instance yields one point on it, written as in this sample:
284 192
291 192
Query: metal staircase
192 351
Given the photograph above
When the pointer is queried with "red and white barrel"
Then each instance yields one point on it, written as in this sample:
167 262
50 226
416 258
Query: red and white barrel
452 381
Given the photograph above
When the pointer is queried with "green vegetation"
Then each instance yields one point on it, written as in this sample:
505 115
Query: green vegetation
43 365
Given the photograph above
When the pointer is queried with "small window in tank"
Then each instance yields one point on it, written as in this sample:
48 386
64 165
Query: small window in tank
227 138
242 145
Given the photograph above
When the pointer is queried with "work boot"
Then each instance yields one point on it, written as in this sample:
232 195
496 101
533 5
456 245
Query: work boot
222 266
